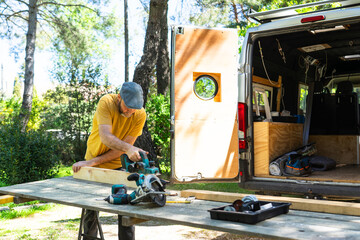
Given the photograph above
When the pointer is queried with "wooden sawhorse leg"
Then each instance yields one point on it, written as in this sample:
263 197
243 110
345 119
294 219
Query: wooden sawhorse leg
81 234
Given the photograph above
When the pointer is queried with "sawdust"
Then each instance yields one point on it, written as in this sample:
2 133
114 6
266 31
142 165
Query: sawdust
62 222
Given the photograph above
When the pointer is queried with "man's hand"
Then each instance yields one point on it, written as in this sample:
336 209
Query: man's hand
76 166
134 153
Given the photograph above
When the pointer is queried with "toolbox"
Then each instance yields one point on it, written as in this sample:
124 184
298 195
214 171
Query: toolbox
250 217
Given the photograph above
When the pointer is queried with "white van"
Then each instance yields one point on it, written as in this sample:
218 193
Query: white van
293 89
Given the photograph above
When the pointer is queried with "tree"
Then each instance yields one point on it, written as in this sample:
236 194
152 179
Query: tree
229 13
163 61
144 69
18 13
29 65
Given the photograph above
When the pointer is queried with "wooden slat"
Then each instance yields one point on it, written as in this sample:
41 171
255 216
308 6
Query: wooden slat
324 206
266 82
103 175
6 199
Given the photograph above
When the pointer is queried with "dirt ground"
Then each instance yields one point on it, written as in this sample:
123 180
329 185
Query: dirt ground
62 222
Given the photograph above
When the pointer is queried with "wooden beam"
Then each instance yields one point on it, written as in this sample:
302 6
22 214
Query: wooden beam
103 175
127 221
6 199
18 200
324 206
266 82
278 97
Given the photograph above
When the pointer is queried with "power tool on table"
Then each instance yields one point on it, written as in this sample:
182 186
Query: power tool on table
145 166
150 189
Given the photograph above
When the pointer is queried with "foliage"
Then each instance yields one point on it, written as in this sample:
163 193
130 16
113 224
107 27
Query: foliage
10 108
71 111
81 56
205 87
64 171
229 13
26 156
158 119
17 88
284 3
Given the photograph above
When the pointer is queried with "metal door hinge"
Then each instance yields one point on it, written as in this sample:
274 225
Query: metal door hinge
179 30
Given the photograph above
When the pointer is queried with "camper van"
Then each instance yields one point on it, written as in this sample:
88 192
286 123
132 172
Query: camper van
278 115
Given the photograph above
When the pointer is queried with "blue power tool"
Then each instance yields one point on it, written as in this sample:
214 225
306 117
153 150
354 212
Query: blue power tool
119 195
145 166
150 189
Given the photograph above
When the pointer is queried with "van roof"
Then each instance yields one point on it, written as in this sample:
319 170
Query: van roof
286 12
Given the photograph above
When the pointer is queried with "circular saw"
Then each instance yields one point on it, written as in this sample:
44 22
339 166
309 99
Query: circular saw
150 189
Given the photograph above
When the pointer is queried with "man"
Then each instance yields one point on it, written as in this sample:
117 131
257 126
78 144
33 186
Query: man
118 121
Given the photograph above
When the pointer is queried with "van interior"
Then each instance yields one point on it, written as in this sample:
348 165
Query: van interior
306 90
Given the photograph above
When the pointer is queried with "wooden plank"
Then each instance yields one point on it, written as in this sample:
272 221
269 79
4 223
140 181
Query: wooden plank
324 206
103 175
6 199
266 82
261 148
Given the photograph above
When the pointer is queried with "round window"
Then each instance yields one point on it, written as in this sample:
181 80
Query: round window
205 87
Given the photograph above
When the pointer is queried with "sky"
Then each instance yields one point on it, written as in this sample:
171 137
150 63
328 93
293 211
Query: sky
43 63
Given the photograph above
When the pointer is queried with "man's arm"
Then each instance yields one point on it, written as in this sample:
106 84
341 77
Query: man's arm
112 142
104 158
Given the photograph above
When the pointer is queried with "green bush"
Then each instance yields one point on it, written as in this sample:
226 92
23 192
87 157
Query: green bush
158 119
72 116
26 156
11 107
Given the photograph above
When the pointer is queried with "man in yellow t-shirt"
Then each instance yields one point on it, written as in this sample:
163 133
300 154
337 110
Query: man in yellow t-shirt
118 121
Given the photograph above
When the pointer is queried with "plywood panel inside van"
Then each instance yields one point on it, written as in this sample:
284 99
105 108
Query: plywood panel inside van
273 139
341 148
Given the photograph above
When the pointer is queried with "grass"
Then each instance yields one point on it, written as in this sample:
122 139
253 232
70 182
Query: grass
13 213
222 187
5 215
64 171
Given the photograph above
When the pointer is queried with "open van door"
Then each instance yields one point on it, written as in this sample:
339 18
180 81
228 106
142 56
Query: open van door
204 91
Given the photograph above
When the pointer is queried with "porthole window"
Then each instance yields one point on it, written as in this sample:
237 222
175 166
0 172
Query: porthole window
205 87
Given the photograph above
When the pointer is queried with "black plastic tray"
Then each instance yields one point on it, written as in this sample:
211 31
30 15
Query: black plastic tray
250 217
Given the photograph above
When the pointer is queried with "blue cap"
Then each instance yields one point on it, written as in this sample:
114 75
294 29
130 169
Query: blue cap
132 95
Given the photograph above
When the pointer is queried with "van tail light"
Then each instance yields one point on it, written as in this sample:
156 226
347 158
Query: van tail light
242 124
313 19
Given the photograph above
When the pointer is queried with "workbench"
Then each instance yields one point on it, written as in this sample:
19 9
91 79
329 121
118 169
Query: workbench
293 225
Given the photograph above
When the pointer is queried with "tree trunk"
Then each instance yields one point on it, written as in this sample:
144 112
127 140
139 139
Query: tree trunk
163 62
29 66
143 70
126 28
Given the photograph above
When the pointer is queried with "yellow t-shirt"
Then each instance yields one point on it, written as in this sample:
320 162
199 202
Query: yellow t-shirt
107 113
